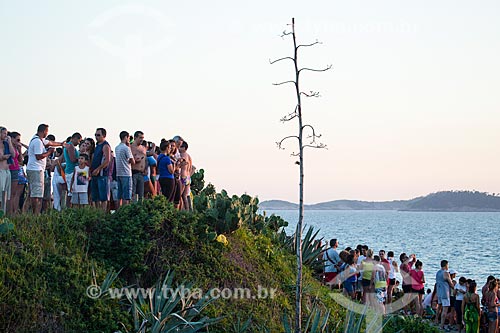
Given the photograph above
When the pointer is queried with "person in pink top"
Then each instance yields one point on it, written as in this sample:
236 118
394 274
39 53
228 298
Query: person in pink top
15 168
417 285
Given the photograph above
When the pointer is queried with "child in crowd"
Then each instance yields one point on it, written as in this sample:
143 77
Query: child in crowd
80 182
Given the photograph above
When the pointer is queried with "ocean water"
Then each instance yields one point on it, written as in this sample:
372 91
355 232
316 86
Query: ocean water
469 241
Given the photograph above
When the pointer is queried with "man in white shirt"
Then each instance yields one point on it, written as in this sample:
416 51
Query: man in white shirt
37 160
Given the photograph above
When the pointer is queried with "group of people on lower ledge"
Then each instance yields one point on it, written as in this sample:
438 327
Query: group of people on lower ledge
374 280
78 171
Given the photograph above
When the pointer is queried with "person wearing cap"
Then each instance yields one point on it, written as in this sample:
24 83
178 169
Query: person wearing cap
443 285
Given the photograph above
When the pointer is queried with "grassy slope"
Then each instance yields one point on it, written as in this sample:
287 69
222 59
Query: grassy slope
47 262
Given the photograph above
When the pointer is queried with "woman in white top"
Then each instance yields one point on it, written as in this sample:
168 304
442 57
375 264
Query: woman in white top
460 290
392 275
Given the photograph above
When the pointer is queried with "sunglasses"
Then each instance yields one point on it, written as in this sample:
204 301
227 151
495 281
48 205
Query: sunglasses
97 134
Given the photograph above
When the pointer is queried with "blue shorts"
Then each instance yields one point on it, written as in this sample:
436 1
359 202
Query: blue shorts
100 188
349 286
492 316
124 187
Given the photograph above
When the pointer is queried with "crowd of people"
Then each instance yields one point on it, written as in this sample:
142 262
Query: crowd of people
374 280
85 171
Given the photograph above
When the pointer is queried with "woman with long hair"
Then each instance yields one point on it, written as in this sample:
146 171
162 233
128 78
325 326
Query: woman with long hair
471 309
166 171
491 301
417 285
367 268
17 187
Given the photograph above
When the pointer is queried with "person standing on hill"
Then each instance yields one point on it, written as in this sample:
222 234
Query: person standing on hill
471 309
332 262
99 168
124 160
393 269
37 162
7 151
484 289
17 186
367 268
378 285
460 291
186 172
443 286
418 281
405 268
140 167
71 157
491 301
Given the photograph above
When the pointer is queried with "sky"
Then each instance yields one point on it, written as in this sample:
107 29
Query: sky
411 105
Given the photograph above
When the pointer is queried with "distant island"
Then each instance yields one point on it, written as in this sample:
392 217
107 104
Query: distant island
445 201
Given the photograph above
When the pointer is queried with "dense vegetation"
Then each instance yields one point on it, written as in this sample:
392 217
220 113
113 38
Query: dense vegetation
47 263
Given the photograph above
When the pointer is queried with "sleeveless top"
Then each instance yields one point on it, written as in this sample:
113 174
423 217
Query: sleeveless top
367 270
380 277
443 289
70 166
470 311
15 165
98 158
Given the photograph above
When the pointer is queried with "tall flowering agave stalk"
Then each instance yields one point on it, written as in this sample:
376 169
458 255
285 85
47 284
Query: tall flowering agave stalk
306 138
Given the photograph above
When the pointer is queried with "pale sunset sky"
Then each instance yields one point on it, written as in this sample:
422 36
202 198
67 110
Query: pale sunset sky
411 105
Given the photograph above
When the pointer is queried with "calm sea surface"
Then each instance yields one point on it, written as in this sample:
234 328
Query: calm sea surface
469 241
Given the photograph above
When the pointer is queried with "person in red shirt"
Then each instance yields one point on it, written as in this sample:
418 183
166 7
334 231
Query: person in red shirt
385 262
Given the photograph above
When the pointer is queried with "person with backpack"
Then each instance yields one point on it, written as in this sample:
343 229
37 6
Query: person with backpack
332 262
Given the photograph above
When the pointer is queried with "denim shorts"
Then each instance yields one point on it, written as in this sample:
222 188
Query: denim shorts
124 187
100 188
349 286
492 316
14 175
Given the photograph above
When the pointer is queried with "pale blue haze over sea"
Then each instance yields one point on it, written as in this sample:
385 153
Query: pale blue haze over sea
469 241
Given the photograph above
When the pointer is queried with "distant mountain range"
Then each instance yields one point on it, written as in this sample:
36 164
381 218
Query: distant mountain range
446 201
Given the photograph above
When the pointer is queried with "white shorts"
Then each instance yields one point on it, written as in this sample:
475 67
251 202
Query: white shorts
444 301
69 177
80 198
5 182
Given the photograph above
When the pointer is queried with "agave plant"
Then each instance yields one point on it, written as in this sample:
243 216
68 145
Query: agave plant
310 249
361 316
242 326
317 321
173 311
